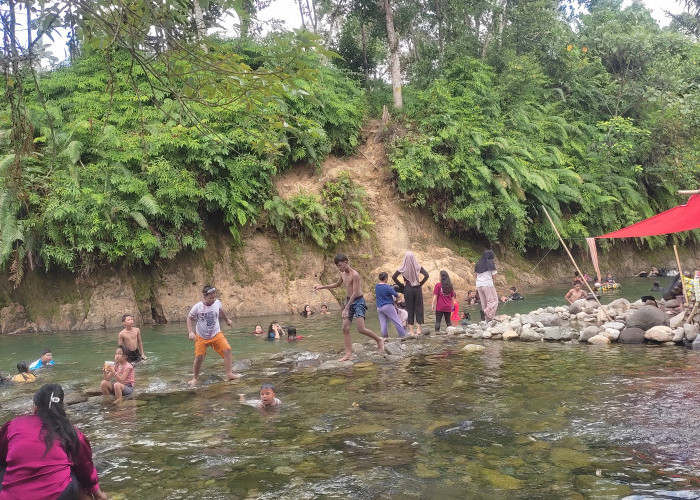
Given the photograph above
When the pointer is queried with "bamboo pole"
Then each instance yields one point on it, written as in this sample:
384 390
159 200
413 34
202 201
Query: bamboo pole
688 192
574 261
680 271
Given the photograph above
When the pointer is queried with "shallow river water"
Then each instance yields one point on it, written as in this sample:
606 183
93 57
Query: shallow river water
517 420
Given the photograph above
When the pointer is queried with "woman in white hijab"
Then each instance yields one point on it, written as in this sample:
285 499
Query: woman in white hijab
412 290
485 270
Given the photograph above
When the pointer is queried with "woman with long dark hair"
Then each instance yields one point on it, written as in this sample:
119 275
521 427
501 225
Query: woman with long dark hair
42 456
443 297
412 289
485 270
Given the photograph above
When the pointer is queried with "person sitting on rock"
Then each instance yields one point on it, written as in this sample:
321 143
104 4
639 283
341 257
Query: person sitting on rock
575 294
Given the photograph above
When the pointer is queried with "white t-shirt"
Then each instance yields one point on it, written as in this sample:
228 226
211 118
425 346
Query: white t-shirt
485 279
207 318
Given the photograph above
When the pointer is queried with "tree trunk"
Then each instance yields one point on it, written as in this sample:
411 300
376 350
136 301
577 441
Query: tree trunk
394 60
200 29
301 13
365 68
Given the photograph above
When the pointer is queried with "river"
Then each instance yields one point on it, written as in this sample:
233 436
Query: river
517 420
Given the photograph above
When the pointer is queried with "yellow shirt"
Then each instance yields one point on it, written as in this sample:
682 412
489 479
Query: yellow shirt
24 377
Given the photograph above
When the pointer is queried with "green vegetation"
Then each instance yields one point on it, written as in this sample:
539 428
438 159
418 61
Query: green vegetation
153 130
326 219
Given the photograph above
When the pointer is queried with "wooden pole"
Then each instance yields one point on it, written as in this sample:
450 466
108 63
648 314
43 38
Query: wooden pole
680 271
688 192
573 261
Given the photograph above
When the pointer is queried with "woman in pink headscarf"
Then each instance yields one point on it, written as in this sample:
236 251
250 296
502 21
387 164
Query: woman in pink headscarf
412 290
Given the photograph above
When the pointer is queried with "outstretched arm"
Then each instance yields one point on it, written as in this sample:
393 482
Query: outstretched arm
326 287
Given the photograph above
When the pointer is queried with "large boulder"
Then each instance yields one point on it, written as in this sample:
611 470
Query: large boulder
647 317
631 336
691 331
677 320
529 335
620 304
547 319
659 334
588 332
559 333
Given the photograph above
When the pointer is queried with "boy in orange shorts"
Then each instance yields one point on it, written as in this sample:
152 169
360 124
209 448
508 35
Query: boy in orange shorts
204 330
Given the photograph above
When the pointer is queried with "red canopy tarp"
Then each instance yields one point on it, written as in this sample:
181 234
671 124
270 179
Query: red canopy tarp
677 219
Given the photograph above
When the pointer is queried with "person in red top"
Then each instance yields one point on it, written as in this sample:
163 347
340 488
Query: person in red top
123 373
443 295
43 457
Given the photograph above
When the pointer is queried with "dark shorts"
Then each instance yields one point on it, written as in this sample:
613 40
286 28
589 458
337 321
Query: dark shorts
133 356
358 308
126 391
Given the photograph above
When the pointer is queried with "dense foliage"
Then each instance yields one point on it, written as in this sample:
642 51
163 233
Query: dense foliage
597 125
121 173
154 130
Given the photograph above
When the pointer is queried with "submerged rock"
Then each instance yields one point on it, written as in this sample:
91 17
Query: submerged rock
473 348
334 365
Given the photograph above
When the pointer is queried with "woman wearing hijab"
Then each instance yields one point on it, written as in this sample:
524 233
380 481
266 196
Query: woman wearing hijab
485 270
413 292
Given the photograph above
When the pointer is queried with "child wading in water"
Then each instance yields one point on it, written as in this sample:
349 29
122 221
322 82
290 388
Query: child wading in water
207 333
130 337
123 373
268 399
355 306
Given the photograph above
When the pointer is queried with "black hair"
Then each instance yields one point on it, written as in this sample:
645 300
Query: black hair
45 351
513 288
446 283
291 331
23 369
340 258
208 289
122 348
126 316
306 313
401 305
267 385
324 305
383 276
54 422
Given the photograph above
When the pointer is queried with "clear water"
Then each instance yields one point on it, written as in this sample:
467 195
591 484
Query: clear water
514 421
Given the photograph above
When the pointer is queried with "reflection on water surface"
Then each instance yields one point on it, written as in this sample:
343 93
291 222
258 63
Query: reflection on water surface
513 421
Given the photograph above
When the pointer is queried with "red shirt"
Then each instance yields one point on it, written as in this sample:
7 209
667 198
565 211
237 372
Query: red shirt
444 302
31 473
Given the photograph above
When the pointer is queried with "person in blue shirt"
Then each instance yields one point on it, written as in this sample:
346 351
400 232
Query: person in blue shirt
46 359
386 307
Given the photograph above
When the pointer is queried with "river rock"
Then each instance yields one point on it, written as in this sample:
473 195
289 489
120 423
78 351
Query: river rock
473 348
620 304
530 335
306 364
588 332
659 334
242 365
358 348
691 331
487 334
526 319
599 340
676 320
615 325
393 349
334 365
612 334
548 319
559 333
278 356
696 343
678 335
631 336
510 335
673 303
575 308
647 317
73 398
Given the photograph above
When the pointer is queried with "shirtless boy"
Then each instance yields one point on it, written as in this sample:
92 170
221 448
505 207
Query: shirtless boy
355 306
575 294
130 338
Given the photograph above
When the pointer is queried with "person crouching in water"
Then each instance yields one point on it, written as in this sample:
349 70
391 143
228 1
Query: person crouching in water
123 374
43 456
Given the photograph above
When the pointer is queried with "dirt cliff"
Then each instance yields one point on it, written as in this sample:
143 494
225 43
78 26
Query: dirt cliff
268 275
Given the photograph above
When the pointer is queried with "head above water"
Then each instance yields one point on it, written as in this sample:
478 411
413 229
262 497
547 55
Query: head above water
126 317
22 367
291 332
46 356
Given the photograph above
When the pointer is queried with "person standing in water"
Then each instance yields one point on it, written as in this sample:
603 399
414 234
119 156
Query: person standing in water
413 290
355 306
204 331
485 270
443 298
